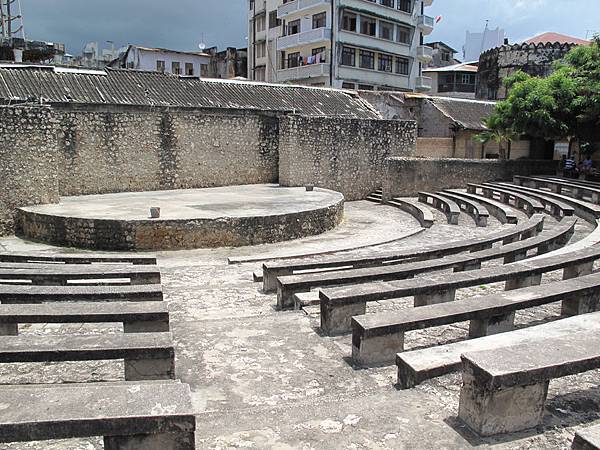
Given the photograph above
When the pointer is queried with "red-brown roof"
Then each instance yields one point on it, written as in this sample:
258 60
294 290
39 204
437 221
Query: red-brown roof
556 37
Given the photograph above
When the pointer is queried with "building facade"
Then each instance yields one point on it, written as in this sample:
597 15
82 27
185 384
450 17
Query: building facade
457 80
352 44
163 60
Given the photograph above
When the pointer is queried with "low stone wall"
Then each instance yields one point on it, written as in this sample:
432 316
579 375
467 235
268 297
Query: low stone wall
408 176
344 155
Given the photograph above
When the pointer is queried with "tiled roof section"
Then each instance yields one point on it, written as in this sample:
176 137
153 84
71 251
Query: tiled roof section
462 67
467 114
128 87
556 37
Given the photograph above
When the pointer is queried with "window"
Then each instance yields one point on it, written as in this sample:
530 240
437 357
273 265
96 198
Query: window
467 79
273 20
366 59
368 26
259 73
348 56
389 3
386 30
260 23
261 49
251 5
204 70
349 21
445 56
403 34
175 68
346 85
160 66
318 20
293 27
385 63
365 87
402 66
405 5
320 54
293 59
189 69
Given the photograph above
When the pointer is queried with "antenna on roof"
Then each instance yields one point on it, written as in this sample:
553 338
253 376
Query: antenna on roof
202 45
8 16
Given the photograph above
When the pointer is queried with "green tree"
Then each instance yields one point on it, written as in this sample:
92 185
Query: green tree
500 134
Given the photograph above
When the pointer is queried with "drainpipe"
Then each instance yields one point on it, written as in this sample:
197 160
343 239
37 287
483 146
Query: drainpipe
332 41
254 41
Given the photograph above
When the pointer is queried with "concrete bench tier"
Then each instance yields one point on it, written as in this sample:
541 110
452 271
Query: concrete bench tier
147 356
555 207
575 190
376 338
338 305
75 258
288 286
125 414
505 390
272 270
447 206
42 294
416 366
521 201
577 181
61 274
502 212
137 317
587 439
419 212
583 209
479 212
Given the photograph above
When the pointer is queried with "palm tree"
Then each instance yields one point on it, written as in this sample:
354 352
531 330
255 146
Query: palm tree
498 133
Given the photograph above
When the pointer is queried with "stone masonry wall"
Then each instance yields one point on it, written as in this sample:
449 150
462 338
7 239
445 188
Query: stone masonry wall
408 176
345 155
28 163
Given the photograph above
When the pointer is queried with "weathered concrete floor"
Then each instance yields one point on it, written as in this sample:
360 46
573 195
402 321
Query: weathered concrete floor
267 379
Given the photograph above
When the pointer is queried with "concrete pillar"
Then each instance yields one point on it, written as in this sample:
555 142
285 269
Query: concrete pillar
285 298
144 279
595 197
369 351
506 410
578 270
49 281
433 299
160 441
481 221
492 325
147 326
9 329
150 369
581 305
514 257
510 239
523 282
337 319
270 278
472 265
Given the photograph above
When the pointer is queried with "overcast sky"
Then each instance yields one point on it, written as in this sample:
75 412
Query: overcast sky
182 24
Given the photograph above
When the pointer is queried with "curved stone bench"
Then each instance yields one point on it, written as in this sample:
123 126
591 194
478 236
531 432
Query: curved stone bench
287 286
479 212
40 294
76 258
272 270
555 207
521 201
376 338
422 214
447 206
338 305
503 213
576 190
587 439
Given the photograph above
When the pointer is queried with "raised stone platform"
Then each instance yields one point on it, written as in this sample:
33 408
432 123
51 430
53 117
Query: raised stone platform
194 218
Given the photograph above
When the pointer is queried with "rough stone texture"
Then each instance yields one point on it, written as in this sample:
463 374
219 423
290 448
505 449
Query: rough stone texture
408 176
345 155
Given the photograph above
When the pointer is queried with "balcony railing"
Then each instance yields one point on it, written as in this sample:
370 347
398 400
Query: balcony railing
426 24
303 72
423 84
307 37
424 53
456 87
298 5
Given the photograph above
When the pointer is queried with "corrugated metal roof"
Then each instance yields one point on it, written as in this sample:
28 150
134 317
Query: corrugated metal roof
130 87
467 114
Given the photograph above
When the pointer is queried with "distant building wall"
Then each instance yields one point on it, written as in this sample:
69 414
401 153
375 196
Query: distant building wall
345 155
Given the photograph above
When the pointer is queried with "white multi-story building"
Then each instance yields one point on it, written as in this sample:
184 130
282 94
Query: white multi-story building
353 44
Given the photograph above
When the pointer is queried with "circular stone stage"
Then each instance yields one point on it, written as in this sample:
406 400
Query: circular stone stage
193 218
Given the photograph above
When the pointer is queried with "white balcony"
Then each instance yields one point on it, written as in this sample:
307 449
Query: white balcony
379 9
299 5
303 72
373 77
372 42
260 7
425 24
306 37
427 2
423 84
424 53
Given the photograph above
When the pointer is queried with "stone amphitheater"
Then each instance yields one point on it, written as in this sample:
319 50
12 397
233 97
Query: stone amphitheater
451 313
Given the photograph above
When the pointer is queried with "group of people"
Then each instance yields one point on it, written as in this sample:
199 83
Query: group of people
572 170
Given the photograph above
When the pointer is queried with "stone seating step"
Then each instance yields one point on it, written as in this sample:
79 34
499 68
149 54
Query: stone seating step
479 212
137 317
578 181
61 274
257 276
147 356
417 366
272 270
41 294
339 304
554 206
575 190
504 390
502 212
521 201
74 258
289 285
449 207
376 338
419 212
128 415
587 439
